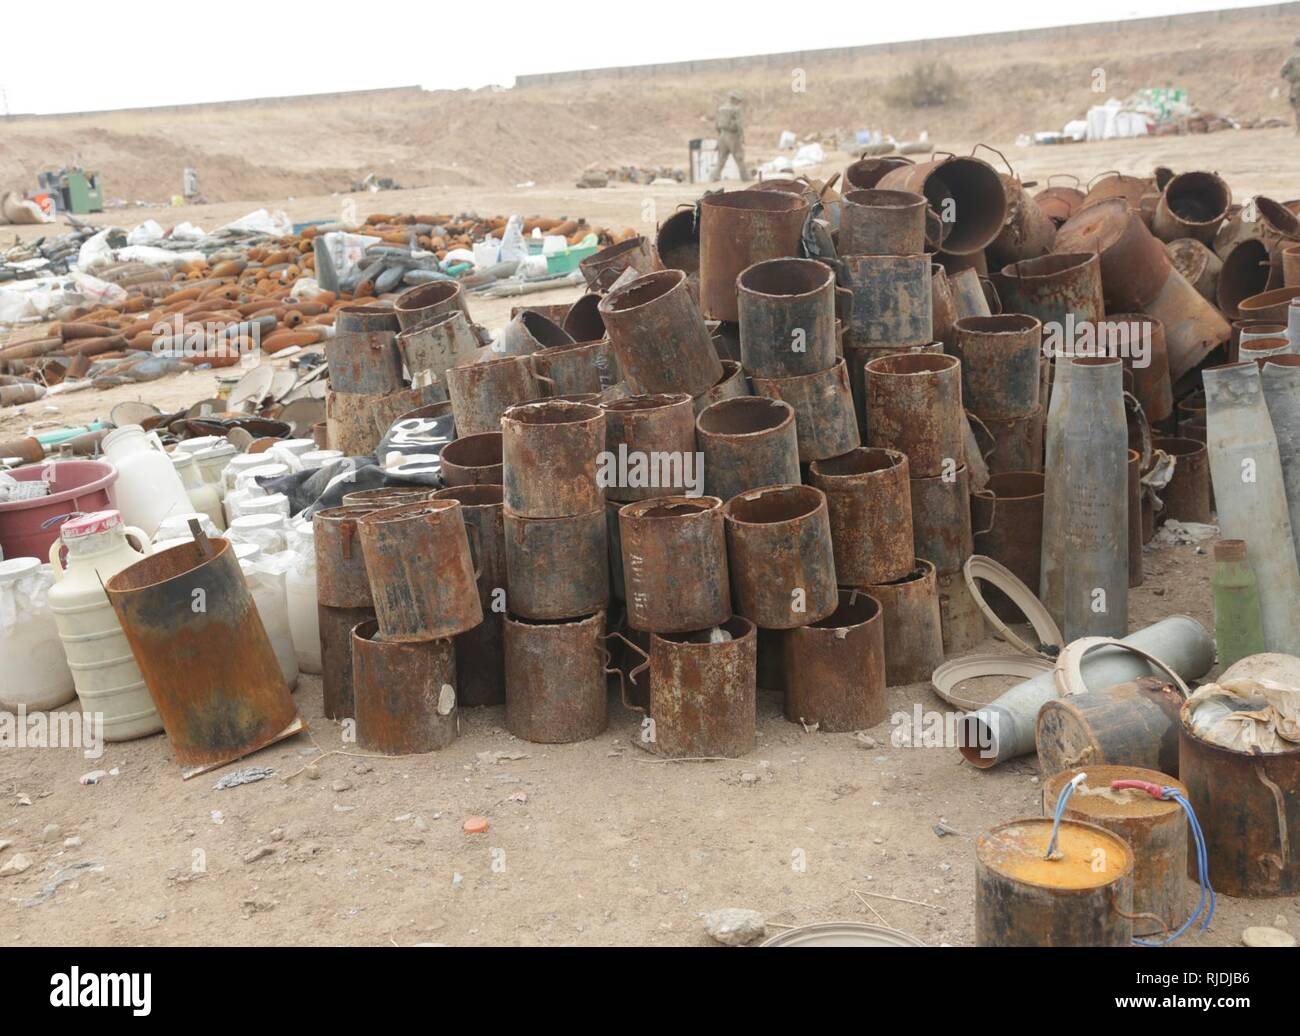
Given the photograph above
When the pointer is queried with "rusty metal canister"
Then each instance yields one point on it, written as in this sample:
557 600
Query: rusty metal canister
443 342
557 568
1134 264
868 171
650 439
1000 360
555 679
967 195
210 670
578 368
826 425
1029 231
968 296
422 576
787 317
1060 203
582 321
336 625
1187 496
835 668
943 306
473 460
404 693
677 241
869 501
1054 288
1008 518
350 422
1246 272
961 621
737 230
363 354
425 302
1139 340
386 496
1191 205
529 332
747 442
732 384
891 299
1198 264
659 336
674 561
602 269
551 451
941 527
913 628
914 405
780 557
882 222
481 392
341 579
1134 723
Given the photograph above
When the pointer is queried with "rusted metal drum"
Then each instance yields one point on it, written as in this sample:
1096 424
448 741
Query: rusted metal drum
1029 230
675 563
1198 264
405 693
385 411
1269 305
964 192
882 222
891 299
350 422
747 442
1245 273
551 451
1249 809
961 622
583 367
1060 203
943 307
529 332
473 460
387 496
341 579
1134 723
650 440
835 668
602 269
363 354
737 230
1187 496
914 405
780 556
422 576
336 625
869 501
1261 219
787 318
1018 443
1000 364
941 526
426 302
1291 266
480 657
1062 290
1192 205
203 652
732 384
1140 340
481 392
678 243
555 679
1113 185
1008 518
913 629
659 337
557 568
1083 896
968 295
826 425
445 341
582 321
1155 829
866 172
1134 265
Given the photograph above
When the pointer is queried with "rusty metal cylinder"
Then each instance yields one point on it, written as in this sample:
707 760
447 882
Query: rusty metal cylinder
882 222
473 460
674 560
551 451
1000 358
363 354
555 679
650 447
443 342
787 318
386 496
780 557
869 500
1007 515
659 336
1135 541
341 579
481 392
1029 230
350 421
1134 723
601 269
426 302
1054 288
1140 341
826 424
941 527
336 625
914 405
913 628
557 568
737 230
747 442
422 575
835 668
1187 496
891 299
404 693
530 331
1018 443
967 195
1192 205
732 384
582 367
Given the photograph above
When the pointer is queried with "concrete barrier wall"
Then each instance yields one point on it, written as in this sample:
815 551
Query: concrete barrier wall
252 102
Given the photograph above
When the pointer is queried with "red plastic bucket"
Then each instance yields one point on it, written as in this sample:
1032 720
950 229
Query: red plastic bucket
75 485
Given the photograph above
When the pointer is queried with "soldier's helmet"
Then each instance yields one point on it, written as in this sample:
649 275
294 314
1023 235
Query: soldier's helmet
734 95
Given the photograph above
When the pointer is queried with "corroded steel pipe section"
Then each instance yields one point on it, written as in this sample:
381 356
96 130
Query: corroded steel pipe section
550 450
835 668
1192 205
473 460
1065 286
674 559
1140 341
603 268
737 230
530 331
965 193
826 424
747 442
336 625
555 679
1008 518
405 694
869 501
941 528
363 354
1029 231
572 369
481 392
557 568
651 440
787 318
386 496
914 405
445 341
1000 364
891 299
732 384
882 222
1134 265
426 302
1018 443
913 629
341 579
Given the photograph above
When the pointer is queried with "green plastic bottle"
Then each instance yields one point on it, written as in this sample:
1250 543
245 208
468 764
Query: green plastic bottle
1238 629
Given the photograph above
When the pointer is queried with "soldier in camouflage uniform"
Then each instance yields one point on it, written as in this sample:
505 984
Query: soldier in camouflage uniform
731 135
1291 73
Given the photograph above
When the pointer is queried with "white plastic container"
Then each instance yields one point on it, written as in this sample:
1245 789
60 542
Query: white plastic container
203 497
319 458
148 488
237 465
198 445
107 679
246 487
271 503
212 462
266 584
267 531
34 672
177 527
300 595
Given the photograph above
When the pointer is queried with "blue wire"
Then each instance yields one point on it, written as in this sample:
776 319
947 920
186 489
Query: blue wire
1061 800
1202 870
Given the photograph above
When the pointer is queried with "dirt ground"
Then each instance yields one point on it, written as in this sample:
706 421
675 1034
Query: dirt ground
591 843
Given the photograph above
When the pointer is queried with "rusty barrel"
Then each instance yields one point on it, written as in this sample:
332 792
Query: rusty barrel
914 405
1008 518
385 411
747 442
961 622
1155 829
1187 496
835 668
555 679
965 193
363 354
1054 288
1018 443
422 576
1139 340
659 336
557 568
1060 203
601 269
445 341
1192 205
737 230
530 331
943 306
1246 272
1198 264
649 446
913 628
204 654
426 302
941 527
703 690
336 625
787 317
891 299
869 501
1134 723
551 453
732 384
350 421
866 172
882 222
581 367
473 460
780 557
826 424
341 579
481 392
1000 363
405 693
1134 264
674 561
386 496
1029 231
677 240
1083 896
582 321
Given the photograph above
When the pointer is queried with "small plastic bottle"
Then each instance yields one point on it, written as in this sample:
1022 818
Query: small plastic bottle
1238 629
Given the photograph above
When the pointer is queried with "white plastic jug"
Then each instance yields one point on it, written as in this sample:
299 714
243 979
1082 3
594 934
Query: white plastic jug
300 596
33 670
107 679
147 488
266 584
202 496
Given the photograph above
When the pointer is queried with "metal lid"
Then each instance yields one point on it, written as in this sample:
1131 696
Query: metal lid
13 569
90 524
842 933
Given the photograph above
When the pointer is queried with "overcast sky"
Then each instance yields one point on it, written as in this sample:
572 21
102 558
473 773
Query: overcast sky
92 56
